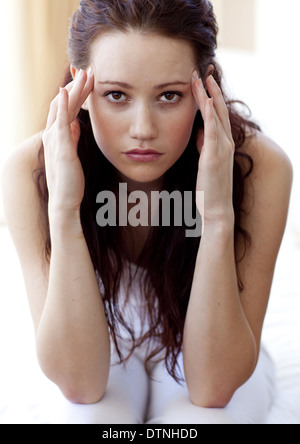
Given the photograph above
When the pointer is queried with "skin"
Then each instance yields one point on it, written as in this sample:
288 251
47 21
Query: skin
144 117
223 327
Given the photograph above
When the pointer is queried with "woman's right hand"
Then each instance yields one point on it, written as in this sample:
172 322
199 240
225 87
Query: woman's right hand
64 173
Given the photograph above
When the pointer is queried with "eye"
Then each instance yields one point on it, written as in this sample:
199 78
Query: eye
116 96
171 97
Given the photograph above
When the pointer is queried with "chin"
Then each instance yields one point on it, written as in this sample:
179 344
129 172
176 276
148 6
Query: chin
141 177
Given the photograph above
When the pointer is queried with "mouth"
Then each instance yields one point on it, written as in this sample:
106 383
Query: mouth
143 155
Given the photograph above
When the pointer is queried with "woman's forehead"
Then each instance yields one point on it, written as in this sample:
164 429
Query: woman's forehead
134 56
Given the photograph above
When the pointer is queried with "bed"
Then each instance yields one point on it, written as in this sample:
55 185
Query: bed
27 397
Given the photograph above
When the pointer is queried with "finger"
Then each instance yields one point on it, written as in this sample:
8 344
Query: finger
83 86
54 106
52 113
63 109
69 86
211 124
209 115
76 91
219 105
88 88
200 95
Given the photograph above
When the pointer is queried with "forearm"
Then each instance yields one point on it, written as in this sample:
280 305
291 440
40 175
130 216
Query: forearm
72 338
219 346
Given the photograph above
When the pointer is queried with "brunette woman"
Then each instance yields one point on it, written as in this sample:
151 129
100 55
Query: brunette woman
138 322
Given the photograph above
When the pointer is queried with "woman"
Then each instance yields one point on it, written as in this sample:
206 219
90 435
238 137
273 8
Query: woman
137 322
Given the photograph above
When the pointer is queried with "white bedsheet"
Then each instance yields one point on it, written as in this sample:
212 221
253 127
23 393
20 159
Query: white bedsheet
27 397
282 334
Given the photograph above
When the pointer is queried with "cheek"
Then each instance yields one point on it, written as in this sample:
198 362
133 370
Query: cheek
180 129
105 128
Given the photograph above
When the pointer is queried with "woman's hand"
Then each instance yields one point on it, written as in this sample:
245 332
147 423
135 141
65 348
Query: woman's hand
216 148
64 172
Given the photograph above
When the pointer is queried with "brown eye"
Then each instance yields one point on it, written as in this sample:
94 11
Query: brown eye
171 97
117 96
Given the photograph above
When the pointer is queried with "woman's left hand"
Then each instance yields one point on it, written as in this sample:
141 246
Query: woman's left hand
216 148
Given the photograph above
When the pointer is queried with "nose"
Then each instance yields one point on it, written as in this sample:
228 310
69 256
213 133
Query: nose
143 125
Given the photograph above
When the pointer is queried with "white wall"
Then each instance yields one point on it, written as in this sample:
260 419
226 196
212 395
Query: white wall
8 82
267 80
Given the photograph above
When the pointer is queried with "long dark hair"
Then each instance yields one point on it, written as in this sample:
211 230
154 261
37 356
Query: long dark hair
168 258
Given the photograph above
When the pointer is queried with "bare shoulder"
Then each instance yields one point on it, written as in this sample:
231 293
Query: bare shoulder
270 160
267 195
18 187
266 205
24 157
20 197
23 213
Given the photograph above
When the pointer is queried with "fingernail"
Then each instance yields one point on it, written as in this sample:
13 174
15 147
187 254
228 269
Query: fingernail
195 76
90 72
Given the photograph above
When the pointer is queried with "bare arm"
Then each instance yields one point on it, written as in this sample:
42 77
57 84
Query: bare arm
72 335
71 330
223 327
219 346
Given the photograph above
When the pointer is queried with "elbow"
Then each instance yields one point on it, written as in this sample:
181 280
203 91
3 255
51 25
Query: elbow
77 388
84 397
78 385
213 398
212 402
82 390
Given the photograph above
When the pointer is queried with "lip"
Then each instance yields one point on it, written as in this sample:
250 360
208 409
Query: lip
143 155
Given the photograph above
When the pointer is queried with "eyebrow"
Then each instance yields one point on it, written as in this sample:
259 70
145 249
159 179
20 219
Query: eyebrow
127 86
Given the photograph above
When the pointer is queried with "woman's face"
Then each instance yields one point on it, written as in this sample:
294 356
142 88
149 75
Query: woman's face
142 107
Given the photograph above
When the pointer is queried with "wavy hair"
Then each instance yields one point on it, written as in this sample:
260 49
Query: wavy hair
168 258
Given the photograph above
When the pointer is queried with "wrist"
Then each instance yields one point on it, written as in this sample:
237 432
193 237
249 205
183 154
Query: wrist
218 238
64 223
219 224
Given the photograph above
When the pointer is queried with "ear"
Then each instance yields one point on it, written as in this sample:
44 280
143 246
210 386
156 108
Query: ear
74 73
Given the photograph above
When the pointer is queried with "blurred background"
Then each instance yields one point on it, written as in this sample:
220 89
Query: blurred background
259 51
